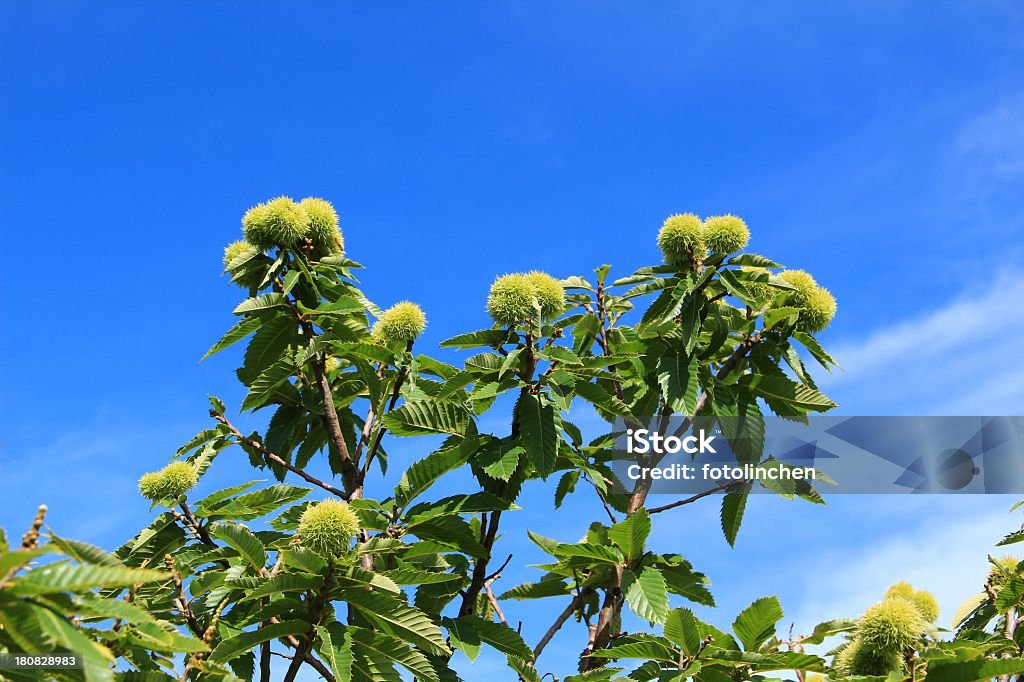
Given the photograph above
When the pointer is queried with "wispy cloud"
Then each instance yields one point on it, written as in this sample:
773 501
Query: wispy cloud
947 555
956 359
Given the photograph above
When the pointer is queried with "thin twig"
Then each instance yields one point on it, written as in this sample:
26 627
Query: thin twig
557 625
679 503
256 445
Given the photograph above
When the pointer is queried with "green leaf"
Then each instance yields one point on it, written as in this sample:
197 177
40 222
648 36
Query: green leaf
735 287
503 638
823 631
304 560
641 646
241 330
683 629
422 474
585 550
733 505
414 576
396 650
91 606
756 624
464 636
974 670
266 385
337 651
84 553
647 594
242 539
537 429
272 300
415 418
239 644
677 376
255 504
560 354
539 590
504 463
780 392
484 337
686 582
753 259
399 619
54 578
630 534
345 305
269 343
458 504
812 345
776 315
285 582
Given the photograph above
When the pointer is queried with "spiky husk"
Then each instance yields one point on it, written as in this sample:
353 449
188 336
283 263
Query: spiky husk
803 284
236 249
279 222
400 323
893 624
322 227
549 293
174 480
150 485
857 658
818 311
681 240
328 527
725 233
511 299
1006 567
925 601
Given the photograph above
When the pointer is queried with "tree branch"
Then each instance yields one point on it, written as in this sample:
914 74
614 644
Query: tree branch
679 503
256 445
557 625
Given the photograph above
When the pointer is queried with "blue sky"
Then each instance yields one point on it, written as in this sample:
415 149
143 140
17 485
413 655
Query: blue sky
878 144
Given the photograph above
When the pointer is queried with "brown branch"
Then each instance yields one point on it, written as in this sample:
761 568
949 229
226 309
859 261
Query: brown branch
497 574
181 599
494 602
396 393
718 488
557 625
200 531
262 449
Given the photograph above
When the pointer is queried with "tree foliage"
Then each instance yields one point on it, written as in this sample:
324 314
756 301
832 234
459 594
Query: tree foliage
388 584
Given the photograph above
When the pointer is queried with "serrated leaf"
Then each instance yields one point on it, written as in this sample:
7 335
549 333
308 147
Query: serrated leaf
677 376
630 534
756 624
264 302
243 540
537 430
241 643
54 578
647 594
238 332
415 418
778 391
733 505
399 619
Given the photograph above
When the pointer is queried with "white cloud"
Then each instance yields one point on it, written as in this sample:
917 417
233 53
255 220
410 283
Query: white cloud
995 139
954 360
946 555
